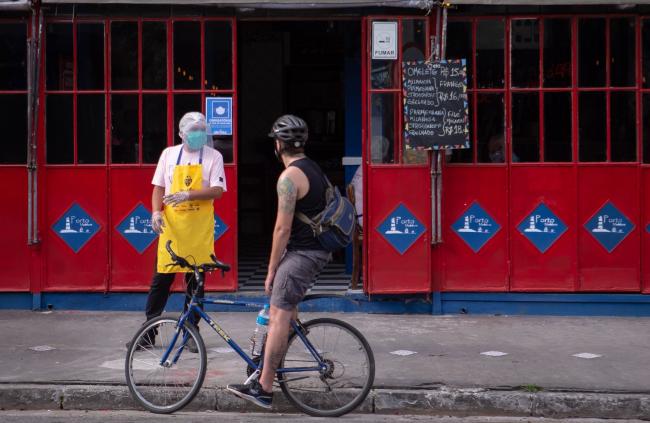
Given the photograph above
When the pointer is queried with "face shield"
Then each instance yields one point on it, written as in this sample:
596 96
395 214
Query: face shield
193 130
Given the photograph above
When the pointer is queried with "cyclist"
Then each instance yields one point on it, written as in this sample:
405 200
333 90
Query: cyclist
296 255
188 178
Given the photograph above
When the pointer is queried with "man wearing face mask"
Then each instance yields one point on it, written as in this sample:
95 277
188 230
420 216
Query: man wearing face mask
188 178
296 255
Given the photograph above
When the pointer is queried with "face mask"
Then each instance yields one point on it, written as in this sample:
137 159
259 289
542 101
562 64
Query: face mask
195 140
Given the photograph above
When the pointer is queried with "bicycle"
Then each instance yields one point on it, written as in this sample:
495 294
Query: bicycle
315 377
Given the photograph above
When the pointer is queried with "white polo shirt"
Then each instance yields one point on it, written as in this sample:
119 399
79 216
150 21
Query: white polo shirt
213 173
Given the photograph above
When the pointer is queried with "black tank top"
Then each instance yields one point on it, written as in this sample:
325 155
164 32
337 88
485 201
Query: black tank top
302 237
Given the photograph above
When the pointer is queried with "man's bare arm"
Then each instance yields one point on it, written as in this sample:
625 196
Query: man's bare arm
287 195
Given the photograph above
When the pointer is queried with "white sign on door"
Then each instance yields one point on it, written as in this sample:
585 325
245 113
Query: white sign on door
384 40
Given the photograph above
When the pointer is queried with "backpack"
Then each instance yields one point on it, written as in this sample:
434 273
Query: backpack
334 226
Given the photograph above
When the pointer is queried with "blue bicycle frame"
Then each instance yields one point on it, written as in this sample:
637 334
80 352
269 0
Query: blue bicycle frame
194 308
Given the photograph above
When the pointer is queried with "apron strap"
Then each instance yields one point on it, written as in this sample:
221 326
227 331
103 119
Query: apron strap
178 161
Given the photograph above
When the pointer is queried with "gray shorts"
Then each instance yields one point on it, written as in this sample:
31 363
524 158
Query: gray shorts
295 274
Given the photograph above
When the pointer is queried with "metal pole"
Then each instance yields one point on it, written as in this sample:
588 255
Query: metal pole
30 55
443 51
435 52
33 75
434 226
443 41
37 78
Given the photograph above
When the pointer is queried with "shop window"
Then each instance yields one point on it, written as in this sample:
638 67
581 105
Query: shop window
465 155
524 44
90 56
218 55
58 56
90 129
525 128
13 127
490 54
557 127
592 127
59 130
646 128
414 40
223 144
187 55
459 45
557 53
384 73
13 56
184 103
154 128
154 55
622 52
124 55
490 127
623 126
645 52
382 131
414 48
124 128
591 52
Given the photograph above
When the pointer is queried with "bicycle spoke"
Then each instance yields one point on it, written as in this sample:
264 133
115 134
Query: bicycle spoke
347 372
160 388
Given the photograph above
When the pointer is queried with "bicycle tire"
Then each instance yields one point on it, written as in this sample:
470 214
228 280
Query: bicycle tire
305 397
157 392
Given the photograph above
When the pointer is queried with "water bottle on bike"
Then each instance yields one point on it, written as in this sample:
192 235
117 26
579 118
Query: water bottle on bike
259 334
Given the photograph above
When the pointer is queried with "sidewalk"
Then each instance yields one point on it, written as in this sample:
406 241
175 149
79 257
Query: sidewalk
443 373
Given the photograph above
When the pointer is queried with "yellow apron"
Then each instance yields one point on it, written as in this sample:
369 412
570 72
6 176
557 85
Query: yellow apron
189 225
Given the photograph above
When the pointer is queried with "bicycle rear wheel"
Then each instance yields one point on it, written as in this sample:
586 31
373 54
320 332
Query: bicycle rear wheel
346 381
168 387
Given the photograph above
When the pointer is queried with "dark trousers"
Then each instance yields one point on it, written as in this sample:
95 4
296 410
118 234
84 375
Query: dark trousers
160 288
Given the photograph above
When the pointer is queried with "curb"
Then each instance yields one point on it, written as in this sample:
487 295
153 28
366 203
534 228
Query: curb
443 401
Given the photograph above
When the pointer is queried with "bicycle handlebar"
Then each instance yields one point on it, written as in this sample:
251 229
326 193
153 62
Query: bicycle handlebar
206 267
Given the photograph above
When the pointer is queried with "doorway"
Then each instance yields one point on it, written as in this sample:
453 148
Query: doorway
304 68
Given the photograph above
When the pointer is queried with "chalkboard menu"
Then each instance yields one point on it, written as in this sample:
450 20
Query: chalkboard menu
435 104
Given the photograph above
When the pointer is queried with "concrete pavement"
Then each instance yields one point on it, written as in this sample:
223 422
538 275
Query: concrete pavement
459 365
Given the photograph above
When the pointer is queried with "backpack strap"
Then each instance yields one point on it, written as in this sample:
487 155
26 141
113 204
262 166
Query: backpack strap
312 222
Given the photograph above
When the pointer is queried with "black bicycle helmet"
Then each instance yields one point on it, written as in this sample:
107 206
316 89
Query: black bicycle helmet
290 129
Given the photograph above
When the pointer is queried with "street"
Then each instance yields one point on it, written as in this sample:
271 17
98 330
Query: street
60 416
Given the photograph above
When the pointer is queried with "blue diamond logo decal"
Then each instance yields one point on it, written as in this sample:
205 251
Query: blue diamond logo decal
136 229
401 229
609 226
76 227
647 228
220 227
542 227
476 227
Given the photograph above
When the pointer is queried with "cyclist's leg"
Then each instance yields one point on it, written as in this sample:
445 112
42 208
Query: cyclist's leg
276 344
292 280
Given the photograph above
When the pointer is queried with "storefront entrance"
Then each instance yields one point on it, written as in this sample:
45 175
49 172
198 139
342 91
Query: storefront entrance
304 68
551 196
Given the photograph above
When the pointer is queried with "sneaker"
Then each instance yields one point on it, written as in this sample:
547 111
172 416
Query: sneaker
191 346
254 393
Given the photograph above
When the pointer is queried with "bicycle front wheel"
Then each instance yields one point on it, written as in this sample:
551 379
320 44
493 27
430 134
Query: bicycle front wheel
347 378
165 387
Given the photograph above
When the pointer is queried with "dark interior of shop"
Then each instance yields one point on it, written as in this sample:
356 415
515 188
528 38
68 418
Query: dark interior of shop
295 67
